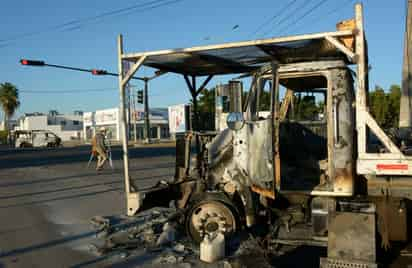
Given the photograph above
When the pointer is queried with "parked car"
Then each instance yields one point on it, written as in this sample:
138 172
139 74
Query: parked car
35 138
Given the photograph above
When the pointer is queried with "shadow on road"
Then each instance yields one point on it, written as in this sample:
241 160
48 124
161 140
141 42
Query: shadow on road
63 240
64 198
119 181
43 156
89 174
132 262
48 244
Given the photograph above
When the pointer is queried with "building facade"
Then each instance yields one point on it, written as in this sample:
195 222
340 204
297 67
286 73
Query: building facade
110 120
66 126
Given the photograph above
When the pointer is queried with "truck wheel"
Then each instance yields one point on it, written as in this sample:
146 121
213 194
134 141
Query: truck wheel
211 214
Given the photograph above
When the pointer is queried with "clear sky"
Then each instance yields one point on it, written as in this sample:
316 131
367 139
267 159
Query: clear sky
28 30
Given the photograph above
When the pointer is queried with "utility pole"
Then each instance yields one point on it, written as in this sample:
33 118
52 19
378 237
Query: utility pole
146 110
405 115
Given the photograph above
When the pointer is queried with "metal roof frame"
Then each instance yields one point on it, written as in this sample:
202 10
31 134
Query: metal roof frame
354 55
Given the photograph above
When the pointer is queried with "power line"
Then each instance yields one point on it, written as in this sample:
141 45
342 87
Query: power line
300 7
330 12
80 23
67 91
304 15
127 11
70 23
271 19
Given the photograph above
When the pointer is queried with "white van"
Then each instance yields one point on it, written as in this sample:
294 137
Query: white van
35 138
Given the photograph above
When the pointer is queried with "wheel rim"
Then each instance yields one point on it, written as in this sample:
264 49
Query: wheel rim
210 217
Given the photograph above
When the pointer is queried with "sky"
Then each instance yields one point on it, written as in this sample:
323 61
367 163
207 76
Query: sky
34 30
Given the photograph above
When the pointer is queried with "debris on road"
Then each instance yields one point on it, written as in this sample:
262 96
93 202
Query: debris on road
159 235
167 236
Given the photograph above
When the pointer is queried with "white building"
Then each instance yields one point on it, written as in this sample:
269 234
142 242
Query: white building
110 119
66 126
179 119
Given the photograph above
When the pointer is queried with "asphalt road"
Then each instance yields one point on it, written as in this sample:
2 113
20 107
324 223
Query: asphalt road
48 196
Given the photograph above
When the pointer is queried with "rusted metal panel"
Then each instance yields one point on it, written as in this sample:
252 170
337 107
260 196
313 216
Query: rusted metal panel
321 208
394 186
351 237
344 180
252 147
343 131
287 101
349 53
348 41
275 112
265 192
392 219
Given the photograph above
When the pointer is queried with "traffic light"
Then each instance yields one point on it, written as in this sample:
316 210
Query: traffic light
140 96
32 62
99 72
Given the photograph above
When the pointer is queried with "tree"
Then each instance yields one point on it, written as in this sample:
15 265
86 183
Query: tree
264 101
305 107
206 102
9 100
379 106
394 100
384 106
206 109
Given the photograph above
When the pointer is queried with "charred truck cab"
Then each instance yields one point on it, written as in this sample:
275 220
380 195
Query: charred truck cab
309 179
309 164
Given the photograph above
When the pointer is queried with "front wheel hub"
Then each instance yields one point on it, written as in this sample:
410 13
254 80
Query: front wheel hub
207 217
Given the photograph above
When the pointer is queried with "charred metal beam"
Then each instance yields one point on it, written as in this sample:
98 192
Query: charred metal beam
225 63
204 84
267 51
189 84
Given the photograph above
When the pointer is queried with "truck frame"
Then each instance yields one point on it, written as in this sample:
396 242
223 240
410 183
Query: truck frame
333 182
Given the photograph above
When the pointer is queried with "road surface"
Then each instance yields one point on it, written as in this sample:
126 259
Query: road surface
48 196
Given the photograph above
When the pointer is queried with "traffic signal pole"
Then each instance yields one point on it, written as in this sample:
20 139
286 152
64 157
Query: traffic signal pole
146 111
133 196
134 99
405 115
40 63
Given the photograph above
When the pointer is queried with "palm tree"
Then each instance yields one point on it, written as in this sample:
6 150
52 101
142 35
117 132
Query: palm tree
9 100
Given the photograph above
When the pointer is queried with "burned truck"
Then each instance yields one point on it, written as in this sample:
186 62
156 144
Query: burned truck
314 182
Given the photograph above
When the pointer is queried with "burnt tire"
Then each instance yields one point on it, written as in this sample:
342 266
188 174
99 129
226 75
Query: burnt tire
211 212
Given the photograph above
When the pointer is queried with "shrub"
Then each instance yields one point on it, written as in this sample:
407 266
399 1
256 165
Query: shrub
3 136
